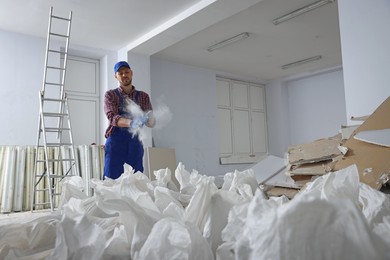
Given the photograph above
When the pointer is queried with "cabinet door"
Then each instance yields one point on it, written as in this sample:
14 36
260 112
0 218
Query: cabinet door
223 93
242 142
259 140
225 131
257 98
82 87
240 95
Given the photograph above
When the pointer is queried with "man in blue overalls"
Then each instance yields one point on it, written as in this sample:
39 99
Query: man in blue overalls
123 144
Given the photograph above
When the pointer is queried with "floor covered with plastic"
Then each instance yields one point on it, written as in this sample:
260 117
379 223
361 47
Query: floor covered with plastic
334 217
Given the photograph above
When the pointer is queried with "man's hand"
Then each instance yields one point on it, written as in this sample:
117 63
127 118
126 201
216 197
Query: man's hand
140 121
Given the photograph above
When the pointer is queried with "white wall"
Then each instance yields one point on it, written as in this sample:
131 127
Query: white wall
365 41
190 93
316 107
277 117
21 78
303 108
21 74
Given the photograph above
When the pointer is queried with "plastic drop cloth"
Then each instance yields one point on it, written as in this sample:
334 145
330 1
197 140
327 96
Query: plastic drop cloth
331 219
132 217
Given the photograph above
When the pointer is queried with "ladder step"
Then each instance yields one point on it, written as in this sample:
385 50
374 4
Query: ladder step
56 129
55 51
53 99
51 176
41 204
60 18
57 144
54 84
54 114
59 35
55 68
42 189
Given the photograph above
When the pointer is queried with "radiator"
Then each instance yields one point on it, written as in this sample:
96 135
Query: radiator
17 170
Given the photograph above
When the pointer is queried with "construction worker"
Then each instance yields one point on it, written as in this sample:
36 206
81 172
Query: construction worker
127 110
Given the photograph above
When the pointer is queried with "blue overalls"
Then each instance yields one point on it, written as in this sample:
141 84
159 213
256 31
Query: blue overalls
122 147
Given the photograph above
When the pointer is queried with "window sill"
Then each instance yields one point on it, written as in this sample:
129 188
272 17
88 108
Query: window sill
242 159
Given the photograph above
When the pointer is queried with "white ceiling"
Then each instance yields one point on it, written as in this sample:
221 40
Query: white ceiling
181 31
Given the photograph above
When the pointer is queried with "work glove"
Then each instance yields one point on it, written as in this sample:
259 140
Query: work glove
140 121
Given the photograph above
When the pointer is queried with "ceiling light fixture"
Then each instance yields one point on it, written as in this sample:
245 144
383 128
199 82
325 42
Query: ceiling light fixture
300 62
228 41
301 11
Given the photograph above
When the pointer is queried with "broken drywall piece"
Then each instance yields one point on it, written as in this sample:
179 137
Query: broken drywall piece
347 131
280 191
319 168
379 137
317 151
268 167
367 155
282 179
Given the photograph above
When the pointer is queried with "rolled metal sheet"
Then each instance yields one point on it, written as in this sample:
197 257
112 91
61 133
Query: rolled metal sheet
9 180
19 178
17 173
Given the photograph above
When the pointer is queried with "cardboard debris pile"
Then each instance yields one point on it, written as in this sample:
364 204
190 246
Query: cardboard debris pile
368 147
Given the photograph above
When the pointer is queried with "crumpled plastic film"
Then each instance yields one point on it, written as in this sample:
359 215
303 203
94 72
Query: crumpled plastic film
317 224
132 217
31 240
375 204
307 228
183 240
198 210
186 179
243 182
164 179
341 185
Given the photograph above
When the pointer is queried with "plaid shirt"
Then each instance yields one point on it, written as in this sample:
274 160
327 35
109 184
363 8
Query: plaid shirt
112 105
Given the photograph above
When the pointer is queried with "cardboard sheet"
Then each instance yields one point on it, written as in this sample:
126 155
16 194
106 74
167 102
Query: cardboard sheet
279 191
318 168
317 151
373 161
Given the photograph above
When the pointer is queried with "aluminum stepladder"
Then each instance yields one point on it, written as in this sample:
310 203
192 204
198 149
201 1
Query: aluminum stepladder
55 153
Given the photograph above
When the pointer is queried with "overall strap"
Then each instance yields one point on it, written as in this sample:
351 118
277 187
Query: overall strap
120 100
137 98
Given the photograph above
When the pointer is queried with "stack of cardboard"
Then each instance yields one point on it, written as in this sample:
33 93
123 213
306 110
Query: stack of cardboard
306 161
368 147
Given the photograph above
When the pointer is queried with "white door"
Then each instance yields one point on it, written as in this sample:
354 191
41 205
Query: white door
82 88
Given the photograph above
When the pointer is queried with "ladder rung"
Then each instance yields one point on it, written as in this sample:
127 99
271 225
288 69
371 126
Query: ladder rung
56 129
54 176
60 18
54 84
41 204
55 68
59 35
55 51
42 189
57 144
54 114
53 99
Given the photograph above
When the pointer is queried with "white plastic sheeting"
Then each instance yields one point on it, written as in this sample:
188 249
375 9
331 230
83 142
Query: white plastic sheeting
336 217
